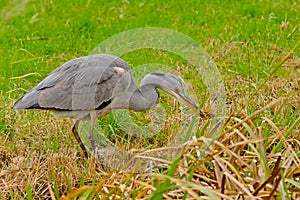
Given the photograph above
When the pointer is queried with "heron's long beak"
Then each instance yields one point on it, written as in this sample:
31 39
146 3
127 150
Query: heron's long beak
183 98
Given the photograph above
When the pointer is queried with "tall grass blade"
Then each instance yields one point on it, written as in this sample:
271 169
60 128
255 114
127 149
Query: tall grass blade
278 147
29 192
55 185
166 185
66 178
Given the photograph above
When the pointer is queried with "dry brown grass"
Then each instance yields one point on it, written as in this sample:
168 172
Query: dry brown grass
240 165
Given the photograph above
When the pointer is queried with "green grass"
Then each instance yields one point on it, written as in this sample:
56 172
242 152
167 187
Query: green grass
39 158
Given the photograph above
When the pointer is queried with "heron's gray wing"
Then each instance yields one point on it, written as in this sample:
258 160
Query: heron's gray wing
85 88
79 84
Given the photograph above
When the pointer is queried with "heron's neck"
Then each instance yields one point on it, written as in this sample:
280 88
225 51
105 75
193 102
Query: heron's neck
145 98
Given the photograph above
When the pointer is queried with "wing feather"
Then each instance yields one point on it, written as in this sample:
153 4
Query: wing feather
80 84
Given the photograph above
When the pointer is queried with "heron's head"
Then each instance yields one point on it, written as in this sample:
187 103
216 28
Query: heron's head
171 85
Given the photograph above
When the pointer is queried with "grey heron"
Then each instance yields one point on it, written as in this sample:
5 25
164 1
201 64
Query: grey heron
88 88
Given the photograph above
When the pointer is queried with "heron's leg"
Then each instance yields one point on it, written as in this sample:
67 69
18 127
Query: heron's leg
93 116
77 137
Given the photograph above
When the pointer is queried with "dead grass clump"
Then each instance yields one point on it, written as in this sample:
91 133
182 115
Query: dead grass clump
44 174
256 158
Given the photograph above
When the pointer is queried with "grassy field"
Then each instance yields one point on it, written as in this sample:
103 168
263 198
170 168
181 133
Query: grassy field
255 45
